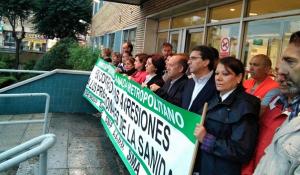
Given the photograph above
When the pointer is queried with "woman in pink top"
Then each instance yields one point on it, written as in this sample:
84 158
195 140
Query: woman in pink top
139 64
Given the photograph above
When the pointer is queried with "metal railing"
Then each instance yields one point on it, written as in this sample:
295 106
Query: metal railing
29 121
46 141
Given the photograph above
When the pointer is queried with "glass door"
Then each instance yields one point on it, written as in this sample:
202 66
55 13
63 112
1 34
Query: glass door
194 37
175 37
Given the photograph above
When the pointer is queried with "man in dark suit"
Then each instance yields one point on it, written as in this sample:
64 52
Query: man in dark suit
201 87
171 91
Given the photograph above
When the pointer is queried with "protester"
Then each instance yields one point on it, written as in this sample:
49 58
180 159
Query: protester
229 134
127 47
282 155
172 90
166 50
201 87
129 67
264 87
139 64
261 84
155 67
116 58
106 53
125 55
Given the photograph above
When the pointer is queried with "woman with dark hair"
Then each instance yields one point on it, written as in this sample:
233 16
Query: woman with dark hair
129 67
155 67
106 53
228 136
139 64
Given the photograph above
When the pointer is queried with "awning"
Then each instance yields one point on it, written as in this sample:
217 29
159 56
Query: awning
132 2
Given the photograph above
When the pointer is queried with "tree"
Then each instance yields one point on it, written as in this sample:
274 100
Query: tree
61 18
16 12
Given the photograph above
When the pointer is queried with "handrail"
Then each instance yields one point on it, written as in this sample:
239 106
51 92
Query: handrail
23 71
46 141
29 121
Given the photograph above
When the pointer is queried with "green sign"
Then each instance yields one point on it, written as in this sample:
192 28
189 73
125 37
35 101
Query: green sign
258 42
150 135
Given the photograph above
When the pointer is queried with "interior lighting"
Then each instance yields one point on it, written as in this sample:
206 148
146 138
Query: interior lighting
253 14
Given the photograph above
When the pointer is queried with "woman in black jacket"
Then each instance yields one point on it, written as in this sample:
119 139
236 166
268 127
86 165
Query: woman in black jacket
228 137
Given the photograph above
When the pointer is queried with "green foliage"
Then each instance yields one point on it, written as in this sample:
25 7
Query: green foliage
60 18
57 57
82 58
29 65
5 81
6 61
16 12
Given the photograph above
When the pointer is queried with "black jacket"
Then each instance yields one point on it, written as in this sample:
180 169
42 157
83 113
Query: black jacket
157 79
234 124
204 95
174 94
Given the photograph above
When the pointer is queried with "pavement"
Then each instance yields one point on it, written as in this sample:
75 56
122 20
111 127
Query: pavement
82 147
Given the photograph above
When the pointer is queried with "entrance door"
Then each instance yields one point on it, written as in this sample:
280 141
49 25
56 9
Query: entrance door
194 37
175 38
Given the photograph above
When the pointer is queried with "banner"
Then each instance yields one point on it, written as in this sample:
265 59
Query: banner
150 135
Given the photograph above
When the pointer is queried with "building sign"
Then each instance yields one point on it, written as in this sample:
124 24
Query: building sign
225 47
150 135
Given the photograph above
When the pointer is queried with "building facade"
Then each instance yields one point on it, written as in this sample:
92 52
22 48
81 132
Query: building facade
32 42
238 28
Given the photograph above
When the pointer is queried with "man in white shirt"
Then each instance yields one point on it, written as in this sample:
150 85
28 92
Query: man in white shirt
201 87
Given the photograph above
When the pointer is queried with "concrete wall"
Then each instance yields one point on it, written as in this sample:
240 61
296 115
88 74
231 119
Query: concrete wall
65 90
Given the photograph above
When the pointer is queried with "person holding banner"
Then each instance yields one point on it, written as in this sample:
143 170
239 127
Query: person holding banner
172 89
139 64
155 67
228 136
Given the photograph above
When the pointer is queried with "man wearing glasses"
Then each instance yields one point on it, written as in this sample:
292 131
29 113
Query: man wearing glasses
201 87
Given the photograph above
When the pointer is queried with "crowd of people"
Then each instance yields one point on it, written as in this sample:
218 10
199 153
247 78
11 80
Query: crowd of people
251 127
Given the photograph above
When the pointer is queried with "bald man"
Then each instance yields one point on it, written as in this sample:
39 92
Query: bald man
261 84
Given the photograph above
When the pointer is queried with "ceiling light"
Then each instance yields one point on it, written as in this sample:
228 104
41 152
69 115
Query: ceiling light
253 14
232 9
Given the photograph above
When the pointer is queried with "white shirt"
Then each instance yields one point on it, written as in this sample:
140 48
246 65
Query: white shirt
224 96
149 77
199 84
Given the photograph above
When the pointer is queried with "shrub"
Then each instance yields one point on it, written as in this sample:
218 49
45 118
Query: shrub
57 57
6 61
6 81
82 58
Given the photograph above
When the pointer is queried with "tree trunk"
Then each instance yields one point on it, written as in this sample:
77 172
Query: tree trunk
17 56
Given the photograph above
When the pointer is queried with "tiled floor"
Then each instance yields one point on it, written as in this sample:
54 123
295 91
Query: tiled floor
82 147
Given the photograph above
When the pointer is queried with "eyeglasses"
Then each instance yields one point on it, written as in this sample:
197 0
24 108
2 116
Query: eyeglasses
194 58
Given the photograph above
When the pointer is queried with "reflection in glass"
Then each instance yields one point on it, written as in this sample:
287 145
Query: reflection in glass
269 37
259 7
195 18
229 11
224 39
163 24
161 38
192 40
174 41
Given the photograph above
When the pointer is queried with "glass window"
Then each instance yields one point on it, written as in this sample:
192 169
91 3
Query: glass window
129 35
224 39
269 37
259 7
163 24
195 18
111 41
228 11
161 38
193 39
